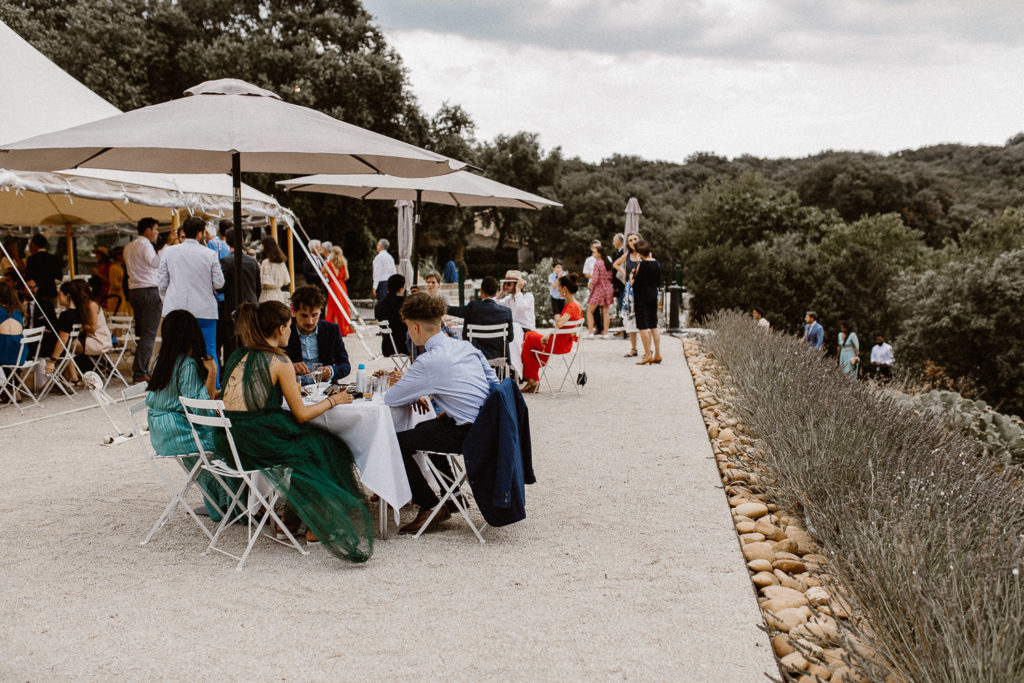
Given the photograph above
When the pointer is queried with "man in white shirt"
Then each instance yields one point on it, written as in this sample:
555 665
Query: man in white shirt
143 264
882 359
457 377
588 265
383 268
189 276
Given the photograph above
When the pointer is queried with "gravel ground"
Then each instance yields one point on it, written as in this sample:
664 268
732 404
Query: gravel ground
627 565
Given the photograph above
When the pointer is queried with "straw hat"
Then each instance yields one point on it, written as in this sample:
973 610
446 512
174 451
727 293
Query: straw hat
517 276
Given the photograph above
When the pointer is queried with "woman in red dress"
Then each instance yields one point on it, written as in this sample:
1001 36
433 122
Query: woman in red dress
562 343
336 270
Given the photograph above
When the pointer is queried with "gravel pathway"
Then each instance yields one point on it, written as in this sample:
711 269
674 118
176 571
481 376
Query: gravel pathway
627 565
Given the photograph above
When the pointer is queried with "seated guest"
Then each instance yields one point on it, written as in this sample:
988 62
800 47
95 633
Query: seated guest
11 326
487 311
315 346
183 369
458 378
518 300
94 338
388 309
550 343
313 469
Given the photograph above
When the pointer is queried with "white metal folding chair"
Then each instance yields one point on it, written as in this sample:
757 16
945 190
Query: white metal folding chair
120 330
571 358
66 354
497 331
401 360
139 413
194 409
14 377
457 482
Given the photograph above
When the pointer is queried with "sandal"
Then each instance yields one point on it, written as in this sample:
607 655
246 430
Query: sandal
630 354
656 360
646 361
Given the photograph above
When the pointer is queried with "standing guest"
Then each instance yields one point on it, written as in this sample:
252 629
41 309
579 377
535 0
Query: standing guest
619 279
520 301
561 343
118 283
189 277
315 346
848 351
336 270
882 359
102 272
43 267
273 272
601 292
759 317
814 334
557 300
588 263
383 268
248 291
458 378
646 281
625 265
451 272
143 293
390 309
218 242
313 265
11 244
12 325
94 338
487 311
312 468
183 368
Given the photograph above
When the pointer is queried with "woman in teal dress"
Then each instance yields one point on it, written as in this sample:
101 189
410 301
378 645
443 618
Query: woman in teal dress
313 469
183 369
848 352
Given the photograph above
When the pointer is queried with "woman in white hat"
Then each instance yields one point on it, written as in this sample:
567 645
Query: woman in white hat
524 318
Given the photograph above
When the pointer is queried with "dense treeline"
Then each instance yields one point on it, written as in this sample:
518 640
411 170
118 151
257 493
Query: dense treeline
923 245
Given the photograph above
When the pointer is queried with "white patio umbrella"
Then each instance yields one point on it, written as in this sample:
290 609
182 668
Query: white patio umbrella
224 125
461 188
633 216
405 238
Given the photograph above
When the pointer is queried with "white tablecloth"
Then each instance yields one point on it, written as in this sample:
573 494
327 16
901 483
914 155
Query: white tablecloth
369 428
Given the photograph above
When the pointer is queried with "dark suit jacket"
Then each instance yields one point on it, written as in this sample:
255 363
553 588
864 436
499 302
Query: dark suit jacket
251 284
499 455
330 344
486 312
388 310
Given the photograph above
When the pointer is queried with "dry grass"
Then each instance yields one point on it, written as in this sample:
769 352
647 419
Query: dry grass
926 534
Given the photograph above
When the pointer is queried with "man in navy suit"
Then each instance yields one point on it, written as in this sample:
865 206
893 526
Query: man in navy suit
487 311
315 342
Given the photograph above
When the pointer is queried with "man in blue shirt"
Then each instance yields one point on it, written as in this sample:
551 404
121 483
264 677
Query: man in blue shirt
814 334
457 377
315 346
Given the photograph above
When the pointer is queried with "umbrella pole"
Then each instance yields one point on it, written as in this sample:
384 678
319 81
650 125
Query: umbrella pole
415 248
236 191
70 250
291 260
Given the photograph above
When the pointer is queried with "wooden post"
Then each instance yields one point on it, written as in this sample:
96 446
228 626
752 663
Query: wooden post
273 229
291 259
175 224
70 251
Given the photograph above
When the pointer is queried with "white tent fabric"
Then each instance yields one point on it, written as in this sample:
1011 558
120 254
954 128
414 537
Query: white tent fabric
217 123
405 237
39 97
633 213
455 189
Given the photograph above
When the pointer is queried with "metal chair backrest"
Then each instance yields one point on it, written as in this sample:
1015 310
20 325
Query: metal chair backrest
32 335
385 329
191 406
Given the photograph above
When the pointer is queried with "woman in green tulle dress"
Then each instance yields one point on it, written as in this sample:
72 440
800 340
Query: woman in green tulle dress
313 469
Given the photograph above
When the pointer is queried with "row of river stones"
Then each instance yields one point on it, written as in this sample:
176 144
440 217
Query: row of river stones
781 556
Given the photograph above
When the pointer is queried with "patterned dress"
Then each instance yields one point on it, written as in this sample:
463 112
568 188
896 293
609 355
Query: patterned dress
601 291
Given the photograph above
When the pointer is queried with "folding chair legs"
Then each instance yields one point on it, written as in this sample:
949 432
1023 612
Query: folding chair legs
449 485
179 499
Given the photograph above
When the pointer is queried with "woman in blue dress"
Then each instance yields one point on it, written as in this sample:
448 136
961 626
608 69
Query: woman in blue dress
11 326
183 369
848 351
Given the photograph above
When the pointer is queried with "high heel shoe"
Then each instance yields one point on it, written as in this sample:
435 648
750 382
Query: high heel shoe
646 361
656 360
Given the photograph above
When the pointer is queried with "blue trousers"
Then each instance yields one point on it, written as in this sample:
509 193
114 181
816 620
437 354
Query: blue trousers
208 326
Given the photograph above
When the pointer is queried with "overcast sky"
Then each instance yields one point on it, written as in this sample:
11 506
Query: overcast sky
666 78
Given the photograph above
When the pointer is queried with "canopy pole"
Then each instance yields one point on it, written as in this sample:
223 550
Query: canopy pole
236 191
291 260
273 229
70 250
175 226
415 236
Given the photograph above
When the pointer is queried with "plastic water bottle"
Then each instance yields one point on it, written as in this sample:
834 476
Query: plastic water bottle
361 378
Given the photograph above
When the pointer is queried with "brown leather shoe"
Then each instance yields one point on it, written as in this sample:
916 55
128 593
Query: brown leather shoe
421 519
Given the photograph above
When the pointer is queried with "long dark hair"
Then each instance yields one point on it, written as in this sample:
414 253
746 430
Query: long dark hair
181 337
9 298
569 282
272 251
603 255
80 294
256 322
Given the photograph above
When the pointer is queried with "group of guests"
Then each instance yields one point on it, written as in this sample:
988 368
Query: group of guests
847 353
